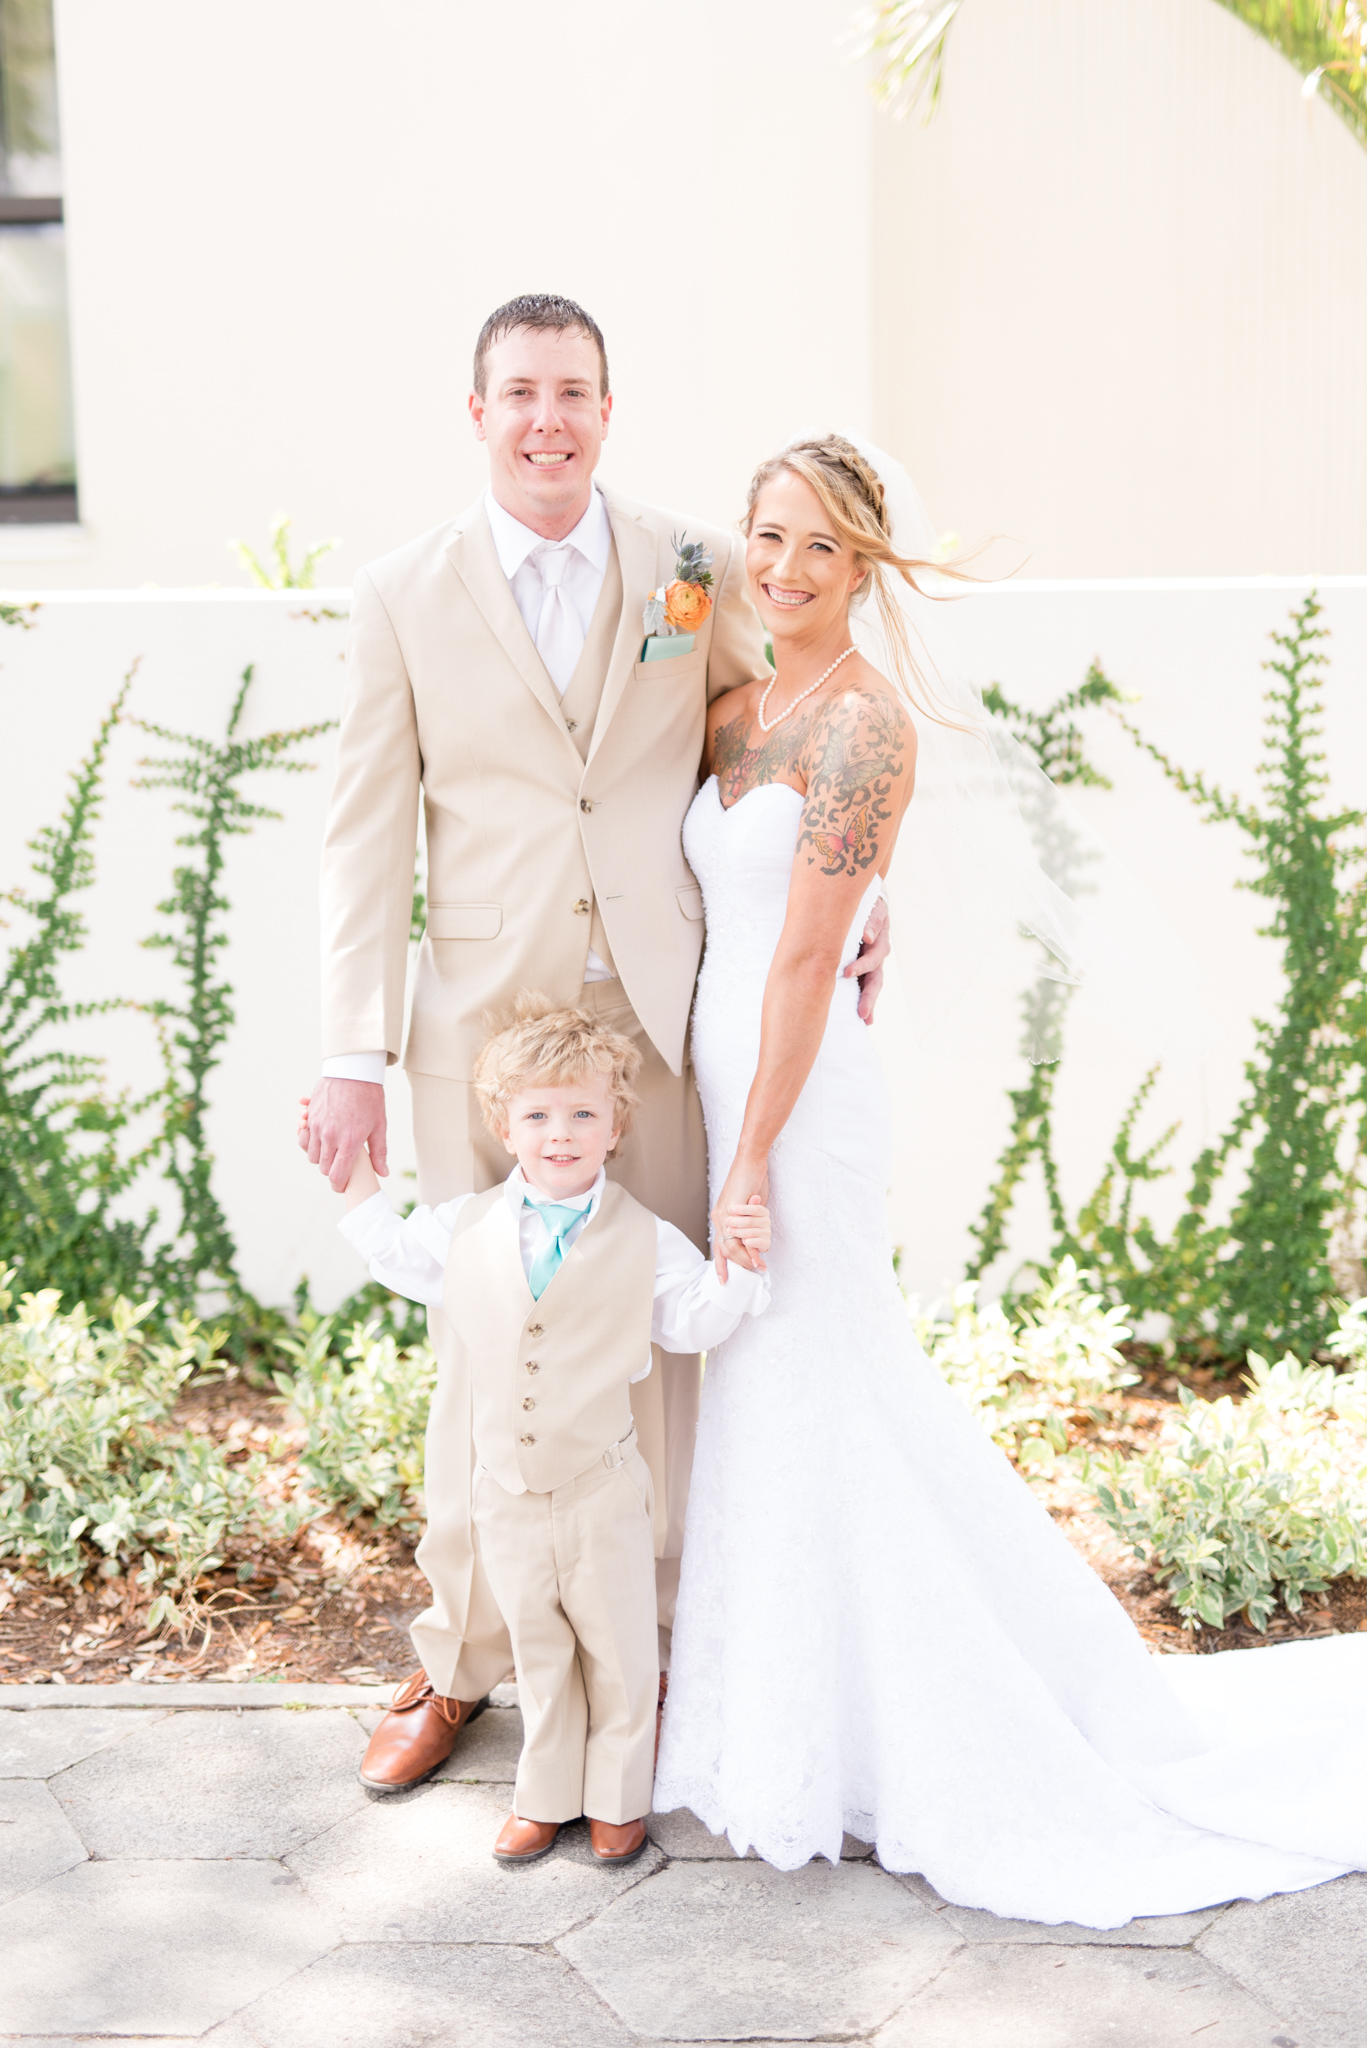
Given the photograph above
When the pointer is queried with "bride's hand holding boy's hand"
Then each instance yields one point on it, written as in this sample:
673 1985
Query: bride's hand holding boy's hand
746 1189
750 1227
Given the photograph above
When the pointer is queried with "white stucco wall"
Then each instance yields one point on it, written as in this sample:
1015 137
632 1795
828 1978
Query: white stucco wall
286 225
1192 649
1110 302
1122 295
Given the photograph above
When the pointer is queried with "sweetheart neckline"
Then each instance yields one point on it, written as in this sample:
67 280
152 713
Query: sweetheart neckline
726 809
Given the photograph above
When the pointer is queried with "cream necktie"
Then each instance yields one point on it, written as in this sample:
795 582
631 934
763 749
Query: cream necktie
559 630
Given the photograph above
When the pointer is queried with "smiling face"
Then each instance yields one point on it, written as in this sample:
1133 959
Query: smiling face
561 1136
544 421
801 576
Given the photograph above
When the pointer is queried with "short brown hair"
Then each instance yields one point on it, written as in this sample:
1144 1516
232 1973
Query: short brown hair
544 311
556 1045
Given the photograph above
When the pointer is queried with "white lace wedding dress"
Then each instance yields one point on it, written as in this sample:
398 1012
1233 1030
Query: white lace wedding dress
879 1628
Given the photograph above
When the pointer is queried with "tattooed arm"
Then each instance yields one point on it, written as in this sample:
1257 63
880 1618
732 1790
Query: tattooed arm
859 764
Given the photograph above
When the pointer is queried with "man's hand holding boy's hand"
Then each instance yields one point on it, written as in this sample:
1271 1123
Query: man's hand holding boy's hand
344 1117
363 1182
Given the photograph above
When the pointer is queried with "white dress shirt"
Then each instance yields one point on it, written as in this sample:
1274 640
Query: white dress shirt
693 1310
589 545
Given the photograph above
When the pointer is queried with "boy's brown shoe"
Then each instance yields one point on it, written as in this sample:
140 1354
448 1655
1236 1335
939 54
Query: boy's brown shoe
616 1842
522 1841
415 1737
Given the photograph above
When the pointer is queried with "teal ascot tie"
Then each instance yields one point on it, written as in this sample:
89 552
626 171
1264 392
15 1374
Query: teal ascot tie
559 1218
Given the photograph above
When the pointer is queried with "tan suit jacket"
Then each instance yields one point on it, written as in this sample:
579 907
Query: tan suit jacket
531 848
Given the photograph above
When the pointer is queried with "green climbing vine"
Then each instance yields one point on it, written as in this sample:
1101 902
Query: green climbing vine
64 1157
206 776
1265 1277
1056 740
67 1140
1288 1171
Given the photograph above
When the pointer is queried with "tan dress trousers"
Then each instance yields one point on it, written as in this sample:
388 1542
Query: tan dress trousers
461 1640
573 1572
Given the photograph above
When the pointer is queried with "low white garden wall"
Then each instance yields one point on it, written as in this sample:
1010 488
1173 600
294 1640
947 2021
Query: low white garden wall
1191 649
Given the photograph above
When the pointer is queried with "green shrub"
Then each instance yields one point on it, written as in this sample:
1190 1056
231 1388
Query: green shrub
1024 1378
364 1420
1248 1503
94 1471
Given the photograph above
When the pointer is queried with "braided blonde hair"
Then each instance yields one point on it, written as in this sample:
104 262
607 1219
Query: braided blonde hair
853 498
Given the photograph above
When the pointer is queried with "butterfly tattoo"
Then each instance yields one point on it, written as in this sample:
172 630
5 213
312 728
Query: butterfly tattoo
837 852
855 769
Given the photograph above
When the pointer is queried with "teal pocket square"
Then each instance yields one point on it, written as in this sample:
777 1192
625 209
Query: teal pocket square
659 647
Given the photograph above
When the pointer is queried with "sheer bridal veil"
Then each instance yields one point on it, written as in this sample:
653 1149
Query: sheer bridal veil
992 857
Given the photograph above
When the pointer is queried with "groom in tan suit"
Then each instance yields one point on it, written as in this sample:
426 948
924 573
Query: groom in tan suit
494 675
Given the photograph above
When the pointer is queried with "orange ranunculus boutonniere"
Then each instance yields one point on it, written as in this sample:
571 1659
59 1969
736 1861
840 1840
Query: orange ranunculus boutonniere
682 604
686 605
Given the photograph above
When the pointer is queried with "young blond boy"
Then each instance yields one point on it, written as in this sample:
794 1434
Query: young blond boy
557 1283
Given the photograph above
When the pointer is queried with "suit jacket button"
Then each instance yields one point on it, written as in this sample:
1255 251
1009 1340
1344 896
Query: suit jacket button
586 803
532 1365
581 908
527 1439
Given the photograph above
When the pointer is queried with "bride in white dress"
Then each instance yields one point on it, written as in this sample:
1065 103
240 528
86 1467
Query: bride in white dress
879 1628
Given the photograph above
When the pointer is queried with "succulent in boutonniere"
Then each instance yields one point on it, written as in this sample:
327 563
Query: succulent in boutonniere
682 604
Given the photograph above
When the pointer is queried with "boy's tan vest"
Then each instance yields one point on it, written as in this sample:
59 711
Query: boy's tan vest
549 1379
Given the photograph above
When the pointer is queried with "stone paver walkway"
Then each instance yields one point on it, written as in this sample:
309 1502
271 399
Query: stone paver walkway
183 1863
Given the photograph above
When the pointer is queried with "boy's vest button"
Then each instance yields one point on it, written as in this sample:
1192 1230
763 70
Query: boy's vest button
529 1402
535 1330
532 1365
526 1439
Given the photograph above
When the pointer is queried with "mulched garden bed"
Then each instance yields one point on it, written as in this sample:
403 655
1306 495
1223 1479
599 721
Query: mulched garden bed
334 1606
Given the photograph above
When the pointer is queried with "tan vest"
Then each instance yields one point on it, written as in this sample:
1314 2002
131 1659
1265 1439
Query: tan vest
549 1379
584 694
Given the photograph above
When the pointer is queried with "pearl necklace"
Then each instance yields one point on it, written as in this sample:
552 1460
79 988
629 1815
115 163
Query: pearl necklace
768 726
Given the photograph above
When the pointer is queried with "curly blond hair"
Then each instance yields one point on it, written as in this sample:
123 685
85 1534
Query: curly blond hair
553 1045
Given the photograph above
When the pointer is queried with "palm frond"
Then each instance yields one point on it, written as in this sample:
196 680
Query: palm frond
908 37
1326 40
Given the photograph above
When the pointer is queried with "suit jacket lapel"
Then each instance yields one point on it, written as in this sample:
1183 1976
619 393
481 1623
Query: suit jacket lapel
474 558
636 556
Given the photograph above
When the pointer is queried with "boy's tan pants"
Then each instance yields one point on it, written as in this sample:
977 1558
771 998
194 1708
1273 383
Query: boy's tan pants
573 1572
460 1638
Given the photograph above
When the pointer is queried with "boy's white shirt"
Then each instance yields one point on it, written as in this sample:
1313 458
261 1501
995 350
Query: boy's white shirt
692 1311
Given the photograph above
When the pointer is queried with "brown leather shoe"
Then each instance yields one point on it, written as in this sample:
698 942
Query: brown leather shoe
522 1841
415 1737
616 1842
